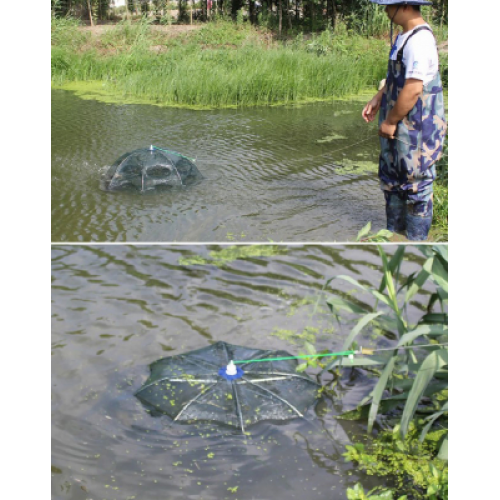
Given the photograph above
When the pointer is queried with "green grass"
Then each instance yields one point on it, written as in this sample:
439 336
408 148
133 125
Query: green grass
203 69
440 215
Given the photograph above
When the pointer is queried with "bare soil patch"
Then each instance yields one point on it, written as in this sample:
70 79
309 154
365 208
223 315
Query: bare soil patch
172 30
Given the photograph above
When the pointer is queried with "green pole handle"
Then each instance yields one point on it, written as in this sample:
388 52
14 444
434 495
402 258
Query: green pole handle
341 353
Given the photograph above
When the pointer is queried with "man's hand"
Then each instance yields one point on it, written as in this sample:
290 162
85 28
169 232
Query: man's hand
371 109
387 130
407 98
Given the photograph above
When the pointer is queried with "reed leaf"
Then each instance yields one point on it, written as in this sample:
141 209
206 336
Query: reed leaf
440 274
443 450
421 278
431 419
365 320
378 392
394 264
431 364
347 305
441 318
430 330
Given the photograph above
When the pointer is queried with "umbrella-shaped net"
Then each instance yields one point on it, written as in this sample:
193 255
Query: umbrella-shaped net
193 387
150 168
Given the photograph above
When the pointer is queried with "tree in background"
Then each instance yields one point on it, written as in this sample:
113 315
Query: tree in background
131 6
361 16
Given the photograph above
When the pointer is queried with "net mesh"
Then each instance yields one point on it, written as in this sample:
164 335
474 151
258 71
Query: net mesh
148 169
187 387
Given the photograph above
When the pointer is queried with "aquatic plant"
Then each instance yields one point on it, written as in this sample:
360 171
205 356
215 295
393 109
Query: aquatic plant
381 236
412 391
357 492
418 386
401 459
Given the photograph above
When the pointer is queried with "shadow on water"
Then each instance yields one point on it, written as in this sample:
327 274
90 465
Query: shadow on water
283 173
117 309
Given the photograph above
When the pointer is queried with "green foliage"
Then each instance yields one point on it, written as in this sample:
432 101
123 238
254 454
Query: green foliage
440 211
203 69
223 33
126 34
403 459
381 236
358 493
66 36
368 19
239 17
404 380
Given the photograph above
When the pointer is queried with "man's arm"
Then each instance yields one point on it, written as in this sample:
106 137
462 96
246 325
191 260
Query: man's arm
407 99
371 109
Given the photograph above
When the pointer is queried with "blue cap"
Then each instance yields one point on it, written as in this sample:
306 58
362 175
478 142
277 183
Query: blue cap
401 2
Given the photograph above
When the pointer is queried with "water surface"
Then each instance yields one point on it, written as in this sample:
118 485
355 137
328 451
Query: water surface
305 173
117 308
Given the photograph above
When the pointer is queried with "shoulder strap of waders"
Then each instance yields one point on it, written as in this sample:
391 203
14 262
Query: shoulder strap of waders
414 32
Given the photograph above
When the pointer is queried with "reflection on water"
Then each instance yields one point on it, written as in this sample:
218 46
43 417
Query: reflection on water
280 174
116 309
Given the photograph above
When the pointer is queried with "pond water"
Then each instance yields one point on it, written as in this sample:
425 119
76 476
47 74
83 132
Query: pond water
117 308
304 173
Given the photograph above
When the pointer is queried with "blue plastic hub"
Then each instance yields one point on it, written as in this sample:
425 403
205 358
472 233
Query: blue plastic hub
239 373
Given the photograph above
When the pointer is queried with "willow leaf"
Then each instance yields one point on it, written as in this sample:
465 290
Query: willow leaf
431 364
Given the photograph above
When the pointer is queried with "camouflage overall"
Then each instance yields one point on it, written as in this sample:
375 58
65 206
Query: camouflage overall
407 165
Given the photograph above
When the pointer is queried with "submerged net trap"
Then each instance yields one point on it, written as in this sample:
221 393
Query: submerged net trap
205 385
150 168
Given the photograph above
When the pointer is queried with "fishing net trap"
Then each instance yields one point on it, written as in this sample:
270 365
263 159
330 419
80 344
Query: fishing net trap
148 169
229 384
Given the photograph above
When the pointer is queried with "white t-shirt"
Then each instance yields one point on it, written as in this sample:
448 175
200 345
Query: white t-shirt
420 55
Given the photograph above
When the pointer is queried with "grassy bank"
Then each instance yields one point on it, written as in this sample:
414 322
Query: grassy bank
203 69
439 231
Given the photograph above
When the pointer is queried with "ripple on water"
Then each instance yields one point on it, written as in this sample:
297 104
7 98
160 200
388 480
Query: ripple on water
116 309
261 165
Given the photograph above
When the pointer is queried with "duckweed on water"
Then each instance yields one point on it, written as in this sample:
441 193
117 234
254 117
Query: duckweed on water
232 253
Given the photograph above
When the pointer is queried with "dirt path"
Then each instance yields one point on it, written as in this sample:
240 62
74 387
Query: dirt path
173 29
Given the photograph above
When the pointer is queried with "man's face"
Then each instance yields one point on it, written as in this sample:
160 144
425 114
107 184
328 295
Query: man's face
390 10
394 12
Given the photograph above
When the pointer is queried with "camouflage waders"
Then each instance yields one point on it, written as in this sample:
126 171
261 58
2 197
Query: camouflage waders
407 165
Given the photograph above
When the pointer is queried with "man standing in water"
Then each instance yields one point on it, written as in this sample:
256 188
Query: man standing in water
412 122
